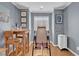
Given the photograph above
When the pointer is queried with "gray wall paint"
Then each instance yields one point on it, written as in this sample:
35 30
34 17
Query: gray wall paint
41 14
28 19
14 17
58 28
71 25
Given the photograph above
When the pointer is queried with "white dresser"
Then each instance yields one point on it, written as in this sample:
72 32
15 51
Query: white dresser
62 41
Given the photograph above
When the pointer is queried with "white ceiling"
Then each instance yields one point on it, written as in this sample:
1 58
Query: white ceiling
41 6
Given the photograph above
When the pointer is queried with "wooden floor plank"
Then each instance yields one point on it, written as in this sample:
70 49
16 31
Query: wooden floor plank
55 51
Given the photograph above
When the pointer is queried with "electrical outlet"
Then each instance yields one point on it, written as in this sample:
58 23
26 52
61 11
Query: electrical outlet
77 48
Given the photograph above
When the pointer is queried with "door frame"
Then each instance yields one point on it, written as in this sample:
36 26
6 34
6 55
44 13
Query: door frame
50 23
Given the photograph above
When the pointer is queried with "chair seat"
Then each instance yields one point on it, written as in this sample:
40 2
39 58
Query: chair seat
39 45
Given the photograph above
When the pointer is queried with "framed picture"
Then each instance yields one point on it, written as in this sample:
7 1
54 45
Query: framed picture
58 19
4 17
23 19
23 13
23 25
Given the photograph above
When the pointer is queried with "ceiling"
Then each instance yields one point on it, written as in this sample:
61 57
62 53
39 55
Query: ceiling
41 6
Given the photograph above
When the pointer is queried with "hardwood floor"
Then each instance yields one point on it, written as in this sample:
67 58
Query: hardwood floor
55 51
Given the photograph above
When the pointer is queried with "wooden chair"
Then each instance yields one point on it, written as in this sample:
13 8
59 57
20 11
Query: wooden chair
41 40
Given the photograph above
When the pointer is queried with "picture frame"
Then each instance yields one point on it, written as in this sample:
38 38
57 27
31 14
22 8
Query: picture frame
4 17
23 13
58 19
23 19
23 25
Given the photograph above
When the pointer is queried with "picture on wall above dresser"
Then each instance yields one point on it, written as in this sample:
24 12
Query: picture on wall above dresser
23 14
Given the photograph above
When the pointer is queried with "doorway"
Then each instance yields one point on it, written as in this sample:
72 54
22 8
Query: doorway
41 19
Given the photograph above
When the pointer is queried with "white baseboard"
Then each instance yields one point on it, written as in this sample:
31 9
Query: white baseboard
67 48
73 52
53 43
30 42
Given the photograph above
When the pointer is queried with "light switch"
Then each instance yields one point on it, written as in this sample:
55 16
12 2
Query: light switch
77 48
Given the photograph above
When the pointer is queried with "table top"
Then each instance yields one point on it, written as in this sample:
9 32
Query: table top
19 30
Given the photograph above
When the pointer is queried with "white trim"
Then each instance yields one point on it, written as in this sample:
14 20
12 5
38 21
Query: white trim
67 4
29 25
53 43
73 52
67 48
30 42
53 22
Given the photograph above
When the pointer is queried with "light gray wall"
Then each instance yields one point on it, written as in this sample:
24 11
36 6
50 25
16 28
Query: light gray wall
14 17
41 14
71 25
58 28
